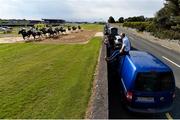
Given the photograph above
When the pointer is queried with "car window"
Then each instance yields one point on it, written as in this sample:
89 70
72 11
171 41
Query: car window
114 31
154 81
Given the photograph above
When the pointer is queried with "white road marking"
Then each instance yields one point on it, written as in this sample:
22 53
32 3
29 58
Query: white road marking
166 47
171 61
169 116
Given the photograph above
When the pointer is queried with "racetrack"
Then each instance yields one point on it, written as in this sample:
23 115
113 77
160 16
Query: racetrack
69 37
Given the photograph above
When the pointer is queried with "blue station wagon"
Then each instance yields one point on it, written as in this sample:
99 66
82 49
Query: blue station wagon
148 85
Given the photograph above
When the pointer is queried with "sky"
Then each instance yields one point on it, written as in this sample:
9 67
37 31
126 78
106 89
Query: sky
77 10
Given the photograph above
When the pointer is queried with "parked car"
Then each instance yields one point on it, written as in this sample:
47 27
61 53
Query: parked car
147 84
117 42
6 29
113 38
112 31
106 27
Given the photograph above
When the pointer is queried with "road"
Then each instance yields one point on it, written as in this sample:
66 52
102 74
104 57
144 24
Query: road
168 56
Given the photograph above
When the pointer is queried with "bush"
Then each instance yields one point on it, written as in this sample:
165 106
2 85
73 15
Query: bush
151 27
167 34
140 26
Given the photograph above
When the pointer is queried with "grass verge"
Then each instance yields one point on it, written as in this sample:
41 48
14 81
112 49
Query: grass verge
46 81
95 27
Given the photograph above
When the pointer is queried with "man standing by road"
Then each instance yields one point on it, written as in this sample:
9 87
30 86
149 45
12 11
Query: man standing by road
126 47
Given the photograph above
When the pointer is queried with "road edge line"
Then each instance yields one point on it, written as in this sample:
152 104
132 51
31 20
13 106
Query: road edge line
166 47
171 61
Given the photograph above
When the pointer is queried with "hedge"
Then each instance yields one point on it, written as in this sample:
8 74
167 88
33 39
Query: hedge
150 27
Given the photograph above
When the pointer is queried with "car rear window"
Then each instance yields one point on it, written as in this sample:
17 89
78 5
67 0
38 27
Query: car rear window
114 31
154 81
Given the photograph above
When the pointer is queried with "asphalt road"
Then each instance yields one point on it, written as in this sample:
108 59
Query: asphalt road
168 56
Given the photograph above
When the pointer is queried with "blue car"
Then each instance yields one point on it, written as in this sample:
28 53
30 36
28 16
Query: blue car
148 85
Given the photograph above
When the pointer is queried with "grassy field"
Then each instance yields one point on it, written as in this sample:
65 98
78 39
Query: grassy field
46 81
96 27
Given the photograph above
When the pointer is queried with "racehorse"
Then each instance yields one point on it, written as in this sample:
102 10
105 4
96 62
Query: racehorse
74 28
56 29
44 31
24 34
69 28
62 30
52 32
79 27
35 33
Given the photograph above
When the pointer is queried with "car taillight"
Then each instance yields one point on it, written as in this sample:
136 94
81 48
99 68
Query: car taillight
129 96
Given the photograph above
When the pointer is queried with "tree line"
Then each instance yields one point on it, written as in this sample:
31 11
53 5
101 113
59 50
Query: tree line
129 19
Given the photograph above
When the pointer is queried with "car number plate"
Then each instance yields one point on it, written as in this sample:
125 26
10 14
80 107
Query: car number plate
145 99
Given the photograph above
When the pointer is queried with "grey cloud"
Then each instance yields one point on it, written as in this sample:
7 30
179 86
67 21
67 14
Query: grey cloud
78 9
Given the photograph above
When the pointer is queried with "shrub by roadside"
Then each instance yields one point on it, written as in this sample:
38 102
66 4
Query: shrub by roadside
157 32
140 26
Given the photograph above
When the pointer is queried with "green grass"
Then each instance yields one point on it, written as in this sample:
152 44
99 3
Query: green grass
96 27
46 81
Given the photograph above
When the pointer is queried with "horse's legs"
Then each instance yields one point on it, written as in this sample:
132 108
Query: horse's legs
23 36
34 37
40 36
29 36
45 35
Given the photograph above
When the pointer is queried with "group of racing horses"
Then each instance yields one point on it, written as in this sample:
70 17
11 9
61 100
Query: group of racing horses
47 31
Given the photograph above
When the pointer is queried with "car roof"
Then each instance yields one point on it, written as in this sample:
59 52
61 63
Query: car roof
144 61
113 28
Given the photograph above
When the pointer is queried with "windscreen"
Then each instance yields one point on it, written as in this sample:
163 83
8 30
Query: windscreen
154 81
114 31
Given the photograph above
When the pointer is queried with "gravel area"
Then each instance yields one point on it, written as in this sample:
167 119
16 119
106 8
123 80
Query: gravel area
11 39
98 105
79 37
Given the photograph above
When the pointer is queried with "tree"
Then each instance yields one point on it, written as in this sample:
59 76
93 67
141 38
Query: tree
135 19
162 19
168 16
149 19
173 7
111 20
121 20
